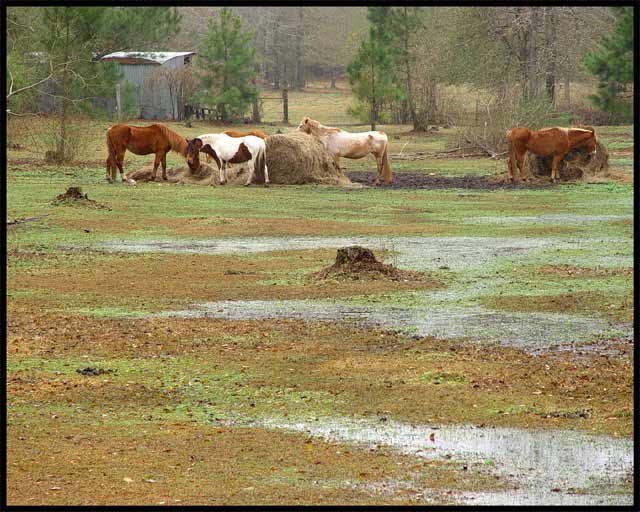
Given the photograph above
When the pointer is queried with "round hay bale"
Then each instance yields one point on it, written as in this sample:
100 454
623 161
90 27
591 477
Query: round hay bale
574 166
296 158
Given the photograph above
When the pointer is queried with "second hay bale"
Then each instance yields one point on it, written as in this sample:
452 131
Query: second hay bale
297 158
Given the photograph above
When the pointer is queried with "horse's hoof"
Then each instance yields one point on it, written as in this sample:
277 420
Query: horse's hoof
266 184
247 184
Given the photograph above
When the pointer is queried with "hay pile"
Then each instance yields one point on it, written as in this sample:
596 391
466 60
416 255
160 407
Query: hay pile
359 263
296 158
574 166
183 175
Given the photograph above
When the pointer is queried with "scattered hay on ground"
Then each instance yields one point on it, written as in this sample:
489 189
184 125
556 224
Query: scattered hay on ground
359 263
184 175
74 196
296 158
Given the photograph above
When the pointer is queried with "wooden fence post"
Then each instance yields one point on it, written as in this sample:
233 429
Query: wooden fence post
118 103
285 104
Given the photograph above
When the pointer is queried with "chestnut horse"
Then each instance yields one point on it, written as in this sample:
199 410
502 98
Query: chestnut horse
235 133
555 142
156 138
352 145
249 150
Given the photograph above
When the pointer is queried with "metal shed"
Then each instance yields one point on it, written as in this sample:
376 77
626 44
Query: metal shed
141 70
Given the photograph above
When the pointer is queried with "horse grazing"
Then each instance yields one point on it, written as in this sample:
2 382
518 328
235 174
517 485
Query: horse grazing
156 138
555 142
352 145
235 133
249 150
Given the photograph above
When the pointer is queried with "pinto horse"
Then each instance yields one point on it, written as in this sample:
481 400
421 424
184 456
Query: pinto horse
249 150
352 145
156 138
236 133
555 142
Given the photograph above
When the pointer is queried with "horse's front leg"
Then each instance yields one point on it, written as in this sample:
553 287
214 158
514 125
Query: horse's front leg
164 167
156 163
555 174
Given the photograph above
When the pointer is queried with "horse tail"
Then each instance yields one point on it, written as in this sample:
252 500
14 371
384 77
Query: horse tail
388 173
261 163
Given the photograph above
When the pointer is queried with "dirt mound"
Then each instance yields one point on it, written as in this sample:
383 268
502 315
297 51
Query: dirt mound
202 176
74 195
296 158
90 370
359 263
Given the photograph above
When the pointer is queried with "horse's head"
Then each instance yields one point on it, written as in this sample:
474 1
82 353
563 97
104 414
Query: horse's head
305 125
193 153
591 145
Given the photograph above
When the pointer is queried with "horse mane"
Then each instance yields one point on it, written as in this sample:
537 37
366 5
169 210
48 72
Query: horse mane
177 142
320 129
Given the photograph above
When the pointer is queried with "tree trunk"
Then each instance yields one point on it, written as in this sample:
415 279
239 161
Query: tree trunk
407 63
550 29
61 150
567 92
532 54
299 79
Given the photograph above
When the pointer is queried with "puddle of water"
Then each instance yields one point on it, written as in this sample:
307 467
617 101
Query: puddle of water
548 219
531 331
446 314
413 253
545 466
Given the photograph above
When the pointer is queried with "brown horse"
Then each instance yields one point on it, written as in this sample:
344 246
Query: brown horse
156 138
555 142
236 134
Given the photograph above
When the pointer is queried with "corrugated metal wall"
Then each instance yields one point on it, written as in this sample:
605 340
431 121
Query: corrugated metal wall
154 100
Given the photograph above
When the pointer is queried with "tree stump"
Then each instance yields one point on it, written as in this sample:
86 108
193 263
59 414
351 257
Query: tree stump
359 263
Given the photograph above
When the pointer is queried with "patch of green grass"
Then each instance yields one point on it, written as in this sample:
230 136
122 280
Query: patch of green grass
189 388
442 377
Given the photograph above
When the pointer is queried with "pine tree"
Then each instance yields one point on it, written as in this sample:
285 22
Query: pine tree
612 63
370 77
226 67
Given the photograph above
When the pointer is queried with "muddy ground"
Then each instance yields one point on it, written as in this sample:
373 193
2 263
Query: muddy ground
112 398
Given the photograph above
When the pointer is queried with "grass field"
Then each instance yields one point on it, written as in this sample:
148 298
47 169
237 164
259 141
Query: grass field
523 321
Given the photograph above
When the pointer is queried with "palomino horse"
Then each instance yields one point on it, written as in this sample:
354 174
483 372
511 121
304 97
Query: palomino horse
555 142
249 150
352 145
156 138
235 133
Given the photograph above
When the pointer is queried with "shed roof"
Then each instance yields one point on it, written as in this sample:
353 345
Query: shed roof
144 57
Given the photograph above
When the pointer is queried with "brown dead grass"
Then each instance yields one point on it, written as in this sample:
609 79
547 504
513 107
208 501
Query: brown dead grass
616 309
178 464
193 277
